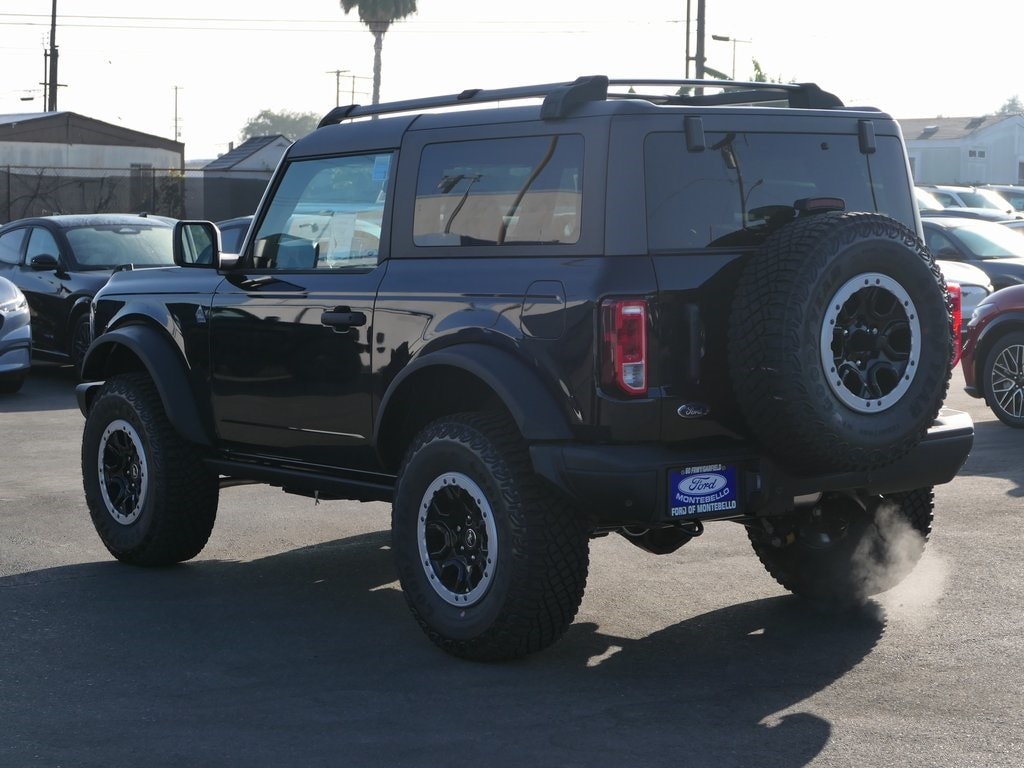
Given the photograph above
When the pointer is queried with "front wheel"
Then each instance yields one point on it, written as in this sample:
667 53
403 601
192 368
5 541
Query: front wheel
151 498
845 548
1003 379
81 338
493 565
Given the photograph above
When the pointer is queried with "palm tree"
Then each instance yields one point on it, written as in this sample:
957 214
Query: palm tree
378 15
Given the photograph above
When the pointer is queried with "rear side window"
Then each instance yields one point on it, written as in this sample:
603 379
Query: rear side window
10 246
731 193
500 191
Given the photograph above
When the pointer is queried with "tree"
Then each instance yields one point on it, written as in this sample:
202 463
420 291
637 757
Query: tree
1012 107
294 125
760 76
378 16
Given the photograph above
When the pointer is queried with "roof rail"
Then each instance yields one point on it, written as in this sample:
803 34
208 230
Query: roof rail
799 95
559 99
562 98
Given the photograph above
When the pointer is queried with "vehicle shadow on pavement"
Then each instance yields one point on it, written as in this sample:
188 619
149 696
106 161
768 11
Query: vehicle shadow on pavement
996 453
310 658
49 387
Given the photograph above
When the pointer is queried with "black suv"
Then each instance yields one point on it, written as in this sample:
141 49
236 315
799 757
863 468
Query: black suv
601 307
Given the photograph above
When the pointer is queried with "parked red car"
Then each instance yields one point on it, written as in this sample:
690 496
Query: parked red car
992 356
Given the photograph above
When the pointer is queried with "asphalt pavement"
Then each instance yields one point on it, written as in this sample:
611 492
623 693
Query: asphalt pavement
288 643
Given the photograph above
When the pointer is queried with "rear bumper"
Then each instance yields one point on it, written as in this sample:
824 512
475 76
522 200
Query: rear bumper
628 484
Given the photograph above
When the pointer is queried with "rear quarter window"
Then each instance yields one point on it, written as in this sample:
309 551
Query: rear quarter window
500 191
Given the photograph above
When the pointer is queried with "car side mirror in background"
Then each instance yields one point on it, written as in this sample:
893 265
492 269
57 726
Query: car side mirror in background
196 244
44 262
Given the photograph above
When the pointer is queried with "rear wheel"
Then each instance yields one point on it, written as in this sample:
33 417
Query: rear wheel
1004 379
493 565
151 498
845 548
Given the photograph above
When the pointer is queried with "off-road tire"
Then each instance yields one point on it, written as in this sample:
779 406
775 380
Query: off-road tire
1003 379
506 577
848 552
840 342
151 498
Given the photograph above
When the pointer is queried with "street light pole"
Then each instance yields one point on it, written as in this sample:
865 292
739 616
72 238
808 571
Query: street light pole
733 40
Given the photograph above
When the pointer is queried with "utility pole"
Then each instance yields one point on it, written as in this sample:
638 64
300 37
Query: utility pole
699 57
699 69
337 85
51 104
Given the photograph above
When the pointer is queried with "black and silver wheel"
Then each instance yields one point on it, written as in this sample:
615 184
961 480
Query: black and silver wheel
845 548
493 565
840 342
1003 379
151 498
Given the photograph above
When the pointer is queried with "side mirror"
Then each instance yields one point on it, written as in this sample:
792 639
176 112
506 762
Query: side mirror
196 244
44 262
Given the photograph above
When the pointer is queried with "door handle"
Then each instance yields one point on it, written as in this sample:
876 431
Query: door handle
342 317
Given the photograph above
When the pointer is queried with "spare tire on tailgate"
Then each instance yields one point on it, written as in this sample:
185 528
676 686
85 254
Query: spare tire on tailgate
840 342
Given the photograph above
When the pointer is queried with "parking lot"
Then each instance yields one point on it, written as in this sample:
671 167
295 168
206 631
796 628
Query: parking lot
287 642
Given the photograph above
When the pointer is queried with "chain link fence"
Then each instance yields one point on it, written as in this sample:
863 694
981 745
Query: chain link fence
180 194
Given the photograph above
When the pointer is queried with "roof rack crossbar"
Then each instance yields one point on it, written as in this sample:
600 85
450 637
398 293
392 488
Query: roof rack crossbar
562 98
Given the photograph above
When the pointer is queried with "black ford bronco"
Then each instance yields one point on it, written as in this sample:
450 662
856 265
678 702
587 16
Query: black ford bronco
599 307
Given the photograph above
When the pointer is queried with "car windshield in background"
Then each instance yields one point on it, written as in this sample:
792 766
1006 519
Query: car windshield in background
118 245
745 183
985 198
991 242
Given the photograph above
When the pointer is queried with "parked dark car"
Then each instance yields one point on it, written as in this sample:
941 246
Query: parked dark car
993 354
15 337
60 262
993 248
232 233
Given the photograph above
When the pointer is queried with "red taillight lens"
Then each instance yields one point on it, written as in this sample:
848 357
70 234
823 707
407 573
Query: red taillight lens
958 319
624 336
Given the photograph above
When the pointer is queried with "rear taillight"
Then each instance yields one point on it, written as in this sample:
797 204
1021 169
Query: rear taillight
958 318
624 339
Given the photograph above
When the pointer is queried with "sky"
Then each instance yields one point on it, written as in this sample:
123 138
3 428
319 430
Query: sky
198 70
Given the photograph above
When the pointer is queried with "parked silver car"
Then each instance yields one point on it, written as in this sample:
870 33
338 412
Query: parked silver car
15 337
974 283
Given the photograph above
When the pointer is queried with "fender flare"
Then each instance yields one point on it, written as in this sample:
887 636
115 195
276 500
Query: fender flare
165 366
531 404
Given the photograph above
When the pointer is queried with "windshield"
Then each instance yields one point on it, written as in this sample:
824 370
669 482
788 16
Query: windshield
984 198
926 201
991 241
117 245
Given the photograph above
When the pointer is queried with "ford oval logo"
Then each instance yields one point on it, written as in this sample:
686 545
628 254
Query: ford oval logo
702 485
693 410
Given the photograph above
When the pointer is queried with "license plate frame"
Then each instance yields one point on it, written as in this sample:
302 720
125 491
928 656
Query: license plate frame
704 490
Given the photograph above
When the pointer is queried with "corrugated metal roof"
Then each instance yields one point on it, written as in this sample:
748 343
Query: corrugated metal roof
243 152
949 128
